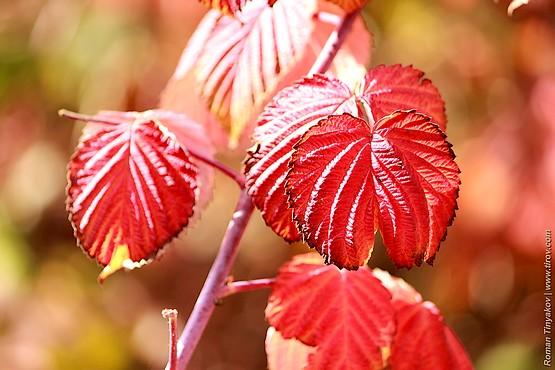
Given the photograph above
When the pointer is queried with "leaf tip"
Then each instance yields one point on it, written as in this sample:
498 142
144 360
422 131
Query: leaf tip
120 259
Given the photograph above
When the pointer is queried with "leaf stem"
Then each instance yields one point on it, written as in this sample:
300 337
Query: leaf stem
87 118
228 171
245 286
171 316
216 279
333 44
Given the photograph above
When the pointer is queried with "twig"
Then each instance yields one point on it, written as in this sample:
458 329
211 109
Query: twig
219 271
228 171
171 316
333 44
245 286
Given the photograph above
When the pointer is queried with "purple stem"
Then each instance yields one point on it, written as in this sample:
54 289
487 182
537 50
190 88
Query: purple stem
214 283
333 44
245 286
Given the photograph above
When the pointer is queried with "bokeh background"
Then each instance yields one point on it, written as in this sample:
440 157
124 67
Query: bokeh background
496 72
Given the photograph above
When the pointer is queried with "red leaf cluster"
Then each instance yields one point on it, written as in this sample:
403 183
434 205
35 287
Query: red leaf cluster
325 318
333 165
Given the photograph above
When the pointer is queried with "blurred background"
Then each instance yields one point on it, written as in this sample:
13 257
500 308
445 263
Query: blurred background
496 72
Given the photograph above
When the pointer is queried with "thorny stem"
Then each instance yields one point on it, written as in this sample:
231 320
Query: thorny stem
171 316
219 271
214 285
332 46
245 286
228 171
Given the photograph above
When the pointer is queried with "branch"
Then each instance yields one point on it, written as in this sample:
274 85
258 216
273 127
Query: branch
245 286
332 46
171 316
228 171
216 279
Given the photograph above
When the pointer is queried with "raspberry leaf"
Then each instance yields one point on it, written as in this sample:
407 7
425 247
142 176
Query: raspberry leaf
347 315
132 188
347 177
239 61
292 112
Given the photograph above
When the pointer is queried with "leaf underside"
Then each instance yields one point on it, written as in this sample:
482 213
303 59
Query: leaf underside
239 61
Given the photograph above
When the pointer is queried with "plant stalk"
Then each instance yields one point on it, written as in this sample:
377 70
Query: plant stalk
333 44
214 283
245 286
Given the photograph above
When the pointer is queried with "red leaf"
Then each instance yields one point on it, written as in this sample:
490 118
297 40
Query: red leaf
286 354
189 134
238 61
346 177
296 108
422 340
347 315
131 190
389 88
293 111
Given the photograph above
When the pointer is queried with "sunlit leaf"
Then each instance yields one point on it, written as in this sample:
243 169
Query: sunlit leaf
347 315
190 134
283 122
422 339
389 88
238 61
384 90
131 190
347 177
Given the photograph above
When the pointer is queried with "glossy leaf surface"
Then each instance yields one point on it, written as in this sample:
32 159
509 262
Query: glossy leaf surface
283 122
347 315
132 188
412 231
347 177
